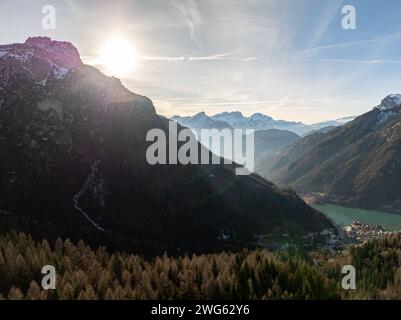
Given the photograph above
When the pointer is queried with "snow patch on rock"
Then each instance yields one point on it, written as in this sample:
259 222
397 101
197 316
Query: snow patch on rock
60 73
389 102
384 116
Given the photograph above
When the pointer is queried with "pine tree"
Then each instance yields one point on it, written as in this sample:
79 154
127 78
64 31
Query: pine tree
34 291
87 294
65 291
15 294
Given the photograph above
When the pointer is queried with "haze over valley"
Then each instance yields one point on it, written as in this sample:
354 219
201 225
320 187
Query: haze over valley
200 150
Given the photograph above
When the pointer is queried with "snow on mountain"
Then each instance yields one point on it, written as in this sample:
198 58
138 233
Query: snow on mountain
257 122
385 115
40 58
357 164
387 108
261 117
60 73
235 119
201 121
389 102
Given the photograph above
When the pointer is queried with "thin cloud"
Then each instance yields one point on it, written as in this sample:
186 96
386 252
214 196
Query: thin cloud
93 60
189 11
378 41
221 56
342 45
160 58
373 61
276 103
327 16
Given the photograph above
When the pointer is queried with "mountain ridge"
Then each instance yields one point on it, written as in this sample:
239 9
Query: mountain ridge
256 121
356 164
72 153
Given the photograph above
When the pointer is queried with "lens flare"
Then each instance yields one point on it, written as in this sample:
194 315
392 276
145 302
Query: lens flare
118 57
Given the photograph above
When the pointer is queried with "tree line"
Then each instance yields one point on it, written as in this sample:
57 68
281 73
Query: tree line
84 273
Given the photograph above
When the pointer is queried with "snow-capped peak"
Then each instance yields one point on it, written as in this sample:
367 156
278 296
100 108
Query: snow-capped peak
233 115
390 102
261 116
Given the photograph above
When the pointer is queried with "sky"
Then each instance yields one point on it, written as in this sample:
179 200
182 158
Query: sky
290 59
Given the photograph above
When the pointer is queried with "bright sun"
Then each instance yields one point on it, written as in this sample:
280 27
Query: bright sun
118 57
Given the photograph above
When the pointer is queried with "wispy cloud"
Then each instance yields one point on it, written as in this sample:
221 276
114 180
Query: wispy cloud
273 104
189 11
379 41
232 55
340 46
328 14
373 61
272 56
221 56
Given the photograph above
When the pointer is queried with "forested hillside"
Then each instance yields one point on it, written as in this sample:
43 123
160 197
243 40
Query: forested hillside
83 273
357 164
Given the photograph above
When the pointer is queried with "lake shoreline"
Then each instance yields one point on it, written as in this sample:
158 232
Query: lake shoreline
345 216
312 198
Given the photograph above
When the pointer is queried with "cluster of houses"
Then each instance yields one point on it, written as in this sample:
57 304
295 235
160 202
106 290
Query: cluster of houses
361 232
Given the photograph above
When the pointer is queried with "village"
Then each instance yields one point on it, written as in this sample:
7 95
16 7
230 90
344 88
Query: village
356 233
345 235
361 232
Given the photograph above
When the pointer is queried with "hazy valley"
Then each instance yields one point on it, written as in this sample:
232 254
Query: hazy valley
73 166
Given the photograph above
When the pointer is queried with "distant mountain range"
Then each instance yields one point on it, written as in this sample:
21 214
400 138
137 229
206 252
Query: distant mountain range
72 164
257 122
271 136
357 164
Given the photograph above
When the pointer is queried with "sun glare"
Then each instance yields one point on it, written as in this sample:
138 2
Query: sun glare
118 57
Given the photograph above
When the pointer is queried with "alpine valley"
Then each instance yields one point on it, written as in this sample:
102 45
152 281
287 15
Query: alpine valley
186 152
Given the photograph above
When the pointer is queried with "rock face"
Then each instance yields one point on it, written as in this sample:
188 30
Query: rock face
38 58
72 154
201 121
357 164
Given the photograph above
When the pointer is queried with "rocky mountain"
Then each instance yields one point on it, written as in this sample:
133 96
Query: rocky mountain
235 120
257 122
201 121
72 163
357 164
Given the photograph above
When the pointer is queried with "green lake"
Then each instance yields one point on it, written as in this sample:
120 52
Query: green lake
345 216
